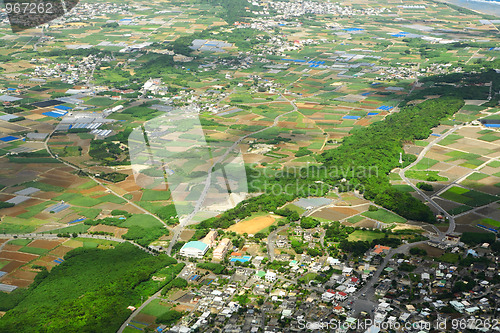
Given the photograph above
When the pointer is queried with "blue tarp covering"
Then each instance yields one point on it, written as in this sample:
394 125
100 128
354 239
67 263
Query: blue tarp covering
78 220
295 60
8 138
55 114
372 113
62 107
351 117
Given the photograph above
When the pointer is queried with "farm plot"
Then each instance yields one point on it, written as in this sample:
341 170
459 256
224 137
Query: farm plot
468 197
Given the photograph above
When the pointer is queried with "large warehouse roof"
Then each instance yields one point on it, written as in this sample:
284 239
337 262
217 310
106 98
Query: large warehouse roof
195 245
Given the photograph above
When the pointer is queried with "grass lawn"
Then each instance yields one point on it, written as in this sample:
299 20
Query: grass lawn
491 222
451 258
424 164
33 250
425 175
87 185
355 219
16 225
477 176
155 308
384 216
20 242
308 277
404 188
297 209
468 197
142 220
71 229
365 235
100 101
152 195
394 176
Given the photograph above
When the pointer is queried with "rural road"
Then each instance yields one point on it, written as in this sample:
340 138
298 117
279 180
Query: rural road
422 154
187 220
99 182
136 311
271 242
368 290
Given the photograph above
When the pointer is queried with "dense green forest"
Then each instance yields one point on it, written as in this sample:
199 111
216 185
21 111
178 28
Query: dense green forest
89 292
364 160
379 146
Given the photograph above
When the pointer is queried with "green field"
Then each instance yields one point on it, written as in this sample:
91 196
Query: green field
424 164
34 250
100 101
384 216
20 241
355 219
155 308
425 175
152 195
404 188
492 222
365 235
16 225
451 258
468 197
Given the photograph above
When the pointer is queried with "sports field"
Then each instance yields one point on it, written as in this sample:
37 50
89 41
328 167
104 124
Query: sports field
254 225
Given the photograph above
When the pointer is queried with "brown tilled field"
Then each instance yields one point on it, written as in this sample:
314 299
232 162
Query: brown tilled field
17 256
45 244
254 225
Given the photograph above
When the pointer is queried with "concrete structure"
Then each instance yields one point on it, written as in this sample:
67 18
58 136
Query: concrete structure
222 248
194 249
209 239
270 276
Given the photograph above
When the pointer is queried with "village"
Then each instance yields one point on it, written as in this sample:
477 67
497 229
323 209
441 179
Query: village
399 290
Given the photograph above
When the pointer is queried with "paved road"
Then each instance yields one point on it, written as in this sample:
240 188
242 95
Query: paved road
368 289
422 154
271 242
136 312
99 182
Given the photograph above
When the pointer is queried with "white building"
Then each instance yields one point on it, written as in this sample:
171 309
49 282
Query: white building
194 249
270 276
222 248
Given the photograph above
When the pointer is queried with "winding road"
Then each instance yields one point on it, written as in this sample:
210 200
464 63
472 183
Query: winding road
188 219
422 154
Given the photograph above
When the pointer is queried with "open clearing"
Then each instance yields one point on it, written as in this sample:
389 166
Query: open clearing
254 225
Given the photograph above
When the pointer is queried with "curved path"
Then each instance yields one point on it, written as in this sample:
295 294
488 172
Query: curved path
98 181
188 219
422 154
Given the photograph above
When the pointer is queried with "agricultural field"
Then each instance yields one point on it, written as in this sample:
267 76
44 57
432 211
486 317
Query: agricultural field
22 258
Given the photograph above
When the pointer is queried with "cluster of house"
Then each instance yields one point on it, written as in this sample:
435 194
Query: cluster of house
300 8
86 12
72 73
